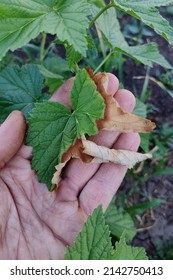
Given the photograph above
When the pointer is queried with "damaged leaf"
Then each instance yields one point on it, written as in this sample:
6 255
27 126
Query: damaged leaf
102 154
89 152
116 119
53 128
58 134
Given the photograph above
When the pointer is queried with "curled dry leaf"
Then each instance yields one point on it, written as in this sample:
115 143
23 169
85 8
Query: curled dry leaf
102 154
89 152
115 119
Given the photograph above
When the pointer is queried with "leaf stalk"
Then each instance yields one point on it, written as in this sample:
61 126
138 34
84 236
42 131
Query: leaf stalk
103 62
42 47
100 13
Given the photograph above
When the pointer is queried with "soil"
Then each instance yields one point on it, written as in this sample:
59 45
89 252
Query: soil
155 227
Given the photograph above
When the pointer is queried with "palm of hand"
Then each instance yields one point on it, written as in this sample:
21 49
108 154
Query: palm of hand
37 224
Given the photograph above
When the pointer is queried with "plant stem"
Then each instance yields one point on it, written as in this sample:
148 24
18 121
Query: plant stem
49 47
145 85
103 62
76 68
42 47
120 68
100 37
100 13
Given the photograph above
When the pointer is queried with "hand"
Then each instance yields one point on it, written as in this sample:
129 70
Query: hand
35 223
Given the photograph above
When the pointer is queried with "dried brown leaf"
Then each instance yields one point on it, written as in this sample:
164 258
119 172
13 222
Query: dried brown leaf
102 154
75 151
115 118
89 152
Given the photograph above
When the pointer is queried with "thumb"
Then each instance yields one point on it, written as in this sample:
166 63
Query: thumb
12 133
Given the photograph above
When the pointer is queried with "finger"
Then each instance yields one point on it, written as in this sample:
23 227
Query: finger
101 188
62 95
12 133
25 152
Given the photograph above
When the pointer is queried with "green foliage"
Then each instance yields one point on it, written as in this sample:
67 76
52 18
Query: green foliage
126 252
147 12
53 128
163 139
167 78
21 89
140 208
94 243
165 81
164 250
6 61
55 70
73 57
141 110
119 221
99 3
67 19
147 53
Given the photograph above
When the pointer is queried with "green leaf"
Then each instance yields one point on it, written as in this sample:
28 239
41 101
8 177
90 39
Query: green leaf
147 12
99 3
145 141
21 21
147 53
140 109
54 69
119 220
162 86
49 74
20 89
53 84
140 208
93 242
56 65
144 3
110 27
6 61
166 171
53 128
73 57
127 252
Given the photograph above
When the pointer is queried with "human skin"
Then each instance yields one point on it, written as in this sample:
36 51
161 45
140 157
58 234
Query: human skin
36 223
